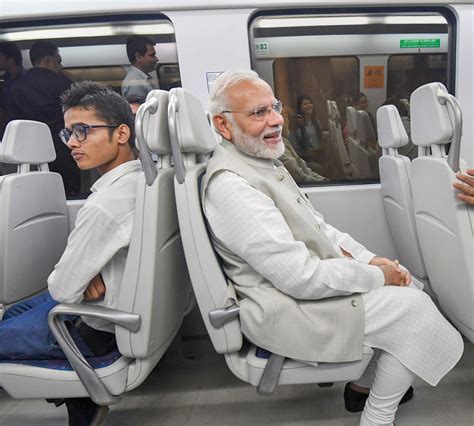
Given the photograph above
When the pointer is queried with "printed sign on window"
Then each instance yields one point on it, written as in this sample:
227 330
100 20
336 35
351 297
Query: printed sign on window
373 77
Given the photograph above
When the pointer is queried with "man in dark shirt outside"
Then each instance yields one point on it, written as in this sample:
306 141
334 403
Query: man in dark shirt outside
35 96
11 63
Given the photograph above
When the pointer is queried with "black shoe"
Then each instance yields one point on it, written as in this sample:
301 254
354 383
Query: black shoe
354 401
84 412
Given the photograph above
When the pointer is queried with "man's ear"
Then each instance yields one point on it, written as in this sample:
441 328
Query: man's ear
123 134
223 126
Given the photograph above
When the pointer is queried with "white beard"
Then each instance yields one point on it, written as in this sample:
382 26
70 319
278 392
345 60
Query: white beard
255 146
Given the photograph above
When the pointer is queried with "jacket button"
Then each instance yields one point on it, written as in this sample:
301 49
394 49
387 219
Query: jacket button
280 177
300 201
353 303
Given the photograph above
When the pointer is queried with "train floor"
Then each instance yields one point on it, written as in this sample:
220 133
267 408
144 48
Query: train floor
192 386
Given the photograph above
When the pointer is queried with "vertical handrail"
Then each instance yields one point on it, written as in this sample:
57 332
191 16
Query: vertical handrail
455 149
149 168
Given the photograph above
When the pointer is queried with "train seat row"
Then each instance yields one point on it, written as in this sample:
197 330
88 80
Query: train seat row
154 296
432 230
170 238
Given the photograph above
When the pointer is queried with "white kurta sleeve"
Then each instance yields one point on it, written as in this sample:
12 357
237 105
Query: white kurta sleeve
345 241
249 224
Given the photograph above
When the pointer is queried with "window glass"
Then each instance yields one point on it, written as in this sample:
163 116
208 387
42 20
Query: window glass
92 49
332 71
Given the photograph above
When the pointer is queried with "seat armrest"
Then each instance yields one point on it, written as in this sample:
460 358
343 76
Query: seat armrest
87 375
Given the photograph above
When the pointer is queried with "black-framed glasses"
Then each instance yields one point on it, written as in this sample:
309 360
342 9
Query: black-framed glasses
79 131
261 112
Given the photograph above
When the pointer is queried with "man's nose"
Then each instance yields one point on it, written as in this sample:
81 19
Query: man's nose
73 142
275 118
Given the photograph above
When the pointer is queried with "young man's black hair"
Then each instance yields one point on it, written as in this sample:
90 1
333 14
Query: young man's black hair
107 104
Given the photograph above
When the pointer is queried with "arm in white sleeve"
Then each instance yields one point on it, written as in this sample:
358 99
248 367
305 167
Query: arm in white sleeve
345 241
94 240
249 224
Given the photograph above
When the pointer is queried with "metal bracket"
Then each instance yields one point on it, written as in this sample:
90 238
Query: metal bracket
271 375
87 375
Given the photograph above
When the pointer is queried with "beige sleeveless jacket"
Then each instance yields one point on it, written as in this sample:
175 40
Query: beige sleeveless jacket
326 330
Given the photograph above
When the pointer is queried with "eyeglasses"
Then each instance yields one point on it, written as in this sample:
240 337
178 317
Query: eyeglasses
79 131
261 112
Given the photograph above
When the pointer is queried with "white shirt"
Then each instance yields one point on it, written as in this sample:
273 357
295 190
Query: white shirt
99 241
249 224
137 84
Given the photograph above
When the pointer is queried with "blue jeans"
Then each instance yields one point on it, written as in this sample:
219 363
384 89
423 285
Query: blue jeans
25 334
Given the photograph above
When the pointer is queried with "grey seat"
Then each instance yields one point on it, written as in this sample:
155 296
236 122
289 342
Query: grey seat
192 141
361 155
396 182
33 211
339 157
445 224
154 295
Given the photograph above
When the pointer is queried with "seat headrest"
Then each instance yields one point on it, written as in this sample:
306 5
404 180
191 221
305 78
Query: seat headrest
155 126
390 129
27 142
194 131
365 131
430 120
351 115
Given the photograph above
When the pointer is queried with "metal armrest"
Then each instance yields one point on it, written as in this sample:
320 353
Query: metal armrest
220 317
271 375
87 375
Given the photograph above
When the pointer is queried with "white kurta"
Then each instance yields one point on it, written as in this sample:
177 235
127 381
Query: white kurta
401 321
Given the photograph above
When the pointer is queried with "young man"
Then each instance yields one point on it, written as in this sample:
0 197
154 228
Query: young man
308 291
99 134
142 55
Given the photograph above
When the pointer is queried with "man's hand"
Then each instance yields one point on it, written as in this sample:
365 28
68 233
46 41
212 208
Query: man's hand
95 290
466 188
394 274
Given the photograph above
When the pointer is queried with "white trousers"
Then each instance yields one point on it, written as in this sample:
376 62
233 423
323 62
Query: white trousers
412 338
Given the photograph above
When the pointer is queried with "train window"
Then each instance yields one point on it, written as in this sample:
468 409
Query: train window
407 72
91 49
319 63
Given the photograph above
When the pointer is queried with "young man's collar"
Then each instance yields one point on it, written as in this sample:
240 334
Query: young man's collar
116 173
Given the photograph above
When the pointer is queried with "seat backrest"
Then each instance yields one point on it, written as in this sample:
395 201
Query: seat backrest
395 178
337 157
156 282
444 223
192 139
33 211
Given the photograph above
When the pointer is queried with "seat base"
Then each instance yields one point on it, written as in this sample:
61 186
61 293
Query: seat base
249 367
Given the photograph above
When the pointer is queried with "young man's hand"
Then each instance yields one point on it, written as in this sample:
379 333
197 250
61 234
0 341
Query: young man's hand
466 186
95 290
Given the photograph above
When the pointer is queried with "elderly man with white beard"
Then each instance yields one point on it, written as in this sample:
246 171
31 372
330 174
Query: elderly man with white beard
306 290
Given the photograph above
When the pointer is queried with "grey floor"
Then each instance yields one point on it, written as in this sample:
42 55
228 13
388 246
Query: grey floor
192 386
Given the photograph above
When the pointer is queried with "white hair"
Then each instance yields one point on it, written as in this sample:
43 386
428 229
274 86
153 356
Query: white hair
218 98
